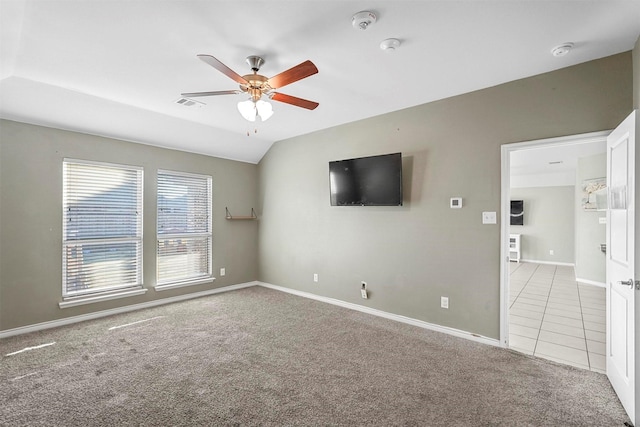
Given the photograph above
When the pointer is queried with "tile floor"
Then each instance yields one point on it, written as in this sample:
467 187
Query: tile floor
554 317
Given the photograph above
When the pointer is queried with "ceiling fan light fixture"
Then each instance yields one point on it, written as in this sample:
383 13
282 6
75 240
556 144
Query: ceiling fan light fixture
257 87
250 110
265 110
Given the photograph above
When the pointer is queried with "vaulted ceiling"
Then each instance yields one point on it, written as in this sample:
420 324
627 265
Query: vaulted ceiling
117 67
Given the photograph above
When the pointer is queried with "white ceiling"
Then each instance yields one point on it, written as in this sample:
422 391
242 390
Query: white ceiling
550 165
115 68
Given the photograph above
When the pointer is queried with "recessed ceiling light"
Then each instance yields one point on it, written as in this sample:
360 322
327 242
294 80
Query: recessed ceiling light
562 50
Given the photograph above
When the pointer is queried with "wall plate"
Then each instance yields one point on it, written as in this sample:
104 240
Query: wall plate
455 203
489 218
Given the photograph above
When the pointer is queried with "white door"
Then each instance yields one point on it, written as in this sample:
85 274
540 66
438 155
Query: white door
620 263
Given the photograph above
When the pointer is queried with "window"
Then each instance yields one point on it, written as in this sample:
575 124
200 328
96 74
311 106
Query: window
184 229
102 228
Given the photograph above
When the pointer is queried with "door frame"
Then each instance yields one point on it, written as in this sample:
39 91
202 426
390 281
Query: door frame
505 186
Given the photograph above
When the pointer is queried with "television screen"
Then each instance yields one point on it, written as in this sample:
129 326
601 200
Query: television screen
367 181
517 212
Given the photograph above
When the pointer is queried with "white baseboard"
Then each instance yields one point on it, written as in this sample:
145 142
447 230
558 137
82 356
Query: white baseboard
125 309
396 317
386 315
564 264
591 282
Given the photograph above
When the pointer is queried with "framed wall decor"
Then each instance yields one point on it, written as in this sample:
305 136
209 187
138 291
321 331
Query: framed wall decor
589 189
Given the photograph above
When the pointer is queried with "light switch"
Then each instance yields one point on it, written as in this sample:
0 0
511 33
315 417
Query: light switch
489 218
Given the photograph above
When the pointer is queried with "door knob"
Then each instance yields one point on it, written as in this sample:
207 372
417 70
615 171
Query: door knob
631 283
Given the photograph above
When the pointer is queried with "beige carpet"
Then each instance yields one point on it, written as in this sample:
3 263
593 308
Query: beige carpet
262 357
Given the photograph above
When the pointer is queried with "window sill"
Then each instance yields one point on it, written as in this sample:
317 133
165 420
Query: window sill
100 298
168 286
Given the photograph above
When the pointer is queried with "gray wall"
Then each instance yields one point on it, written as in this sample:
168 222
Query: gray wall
590 261
636 74
31 217
412 255
549 223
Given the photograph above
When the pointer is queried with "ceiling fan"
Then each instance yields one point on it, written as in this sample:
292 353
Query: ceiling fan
257 86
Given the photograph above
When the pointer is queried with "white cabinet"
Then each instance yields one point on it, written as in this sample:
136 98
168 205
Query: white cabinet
514 247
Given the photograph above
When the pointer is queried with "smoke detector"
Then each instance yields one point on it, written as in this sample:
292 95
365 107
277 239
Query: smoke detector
562 49
362 20
389 45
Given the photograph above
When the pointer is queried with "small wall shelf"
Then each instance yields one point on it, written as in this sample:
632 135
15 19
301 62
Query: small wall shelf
229 216
514 247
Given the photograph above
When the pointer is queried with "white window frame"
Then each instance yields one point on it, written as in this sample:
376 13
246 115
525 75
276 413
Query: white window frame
79 297
161 236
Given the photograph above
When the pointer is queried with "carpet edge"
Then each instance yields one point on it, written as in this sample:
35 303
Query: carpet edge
124 309
391 316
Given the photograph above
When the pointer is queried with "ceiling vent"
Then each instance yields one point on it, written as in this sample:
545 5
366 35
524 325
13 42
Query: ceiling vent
189 102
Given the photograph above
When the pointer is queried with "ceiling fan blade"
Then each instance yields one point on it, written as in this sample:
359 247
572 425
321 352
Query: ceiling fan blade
299 72
217 92
222 68
298 102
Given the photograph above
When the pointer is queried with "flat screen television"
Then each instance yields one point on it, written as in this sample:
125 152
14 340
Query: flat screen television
517 212
367 181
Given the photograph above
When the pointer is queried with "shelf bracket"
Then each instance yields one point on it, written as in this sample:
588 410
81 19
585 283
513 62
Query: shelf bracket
231 217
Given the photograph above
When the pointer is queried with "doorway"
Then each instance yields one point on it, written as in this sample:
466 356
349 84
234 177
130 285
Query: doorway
548 309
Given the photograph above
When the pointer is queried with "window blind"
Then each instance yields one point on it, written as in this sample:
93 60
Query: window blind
184 228
102 227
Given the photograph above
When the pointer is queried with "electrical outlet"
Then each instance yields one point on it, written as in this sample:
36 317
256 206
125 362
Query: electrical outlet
315 277
489 218
223 271
363 290
444 302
